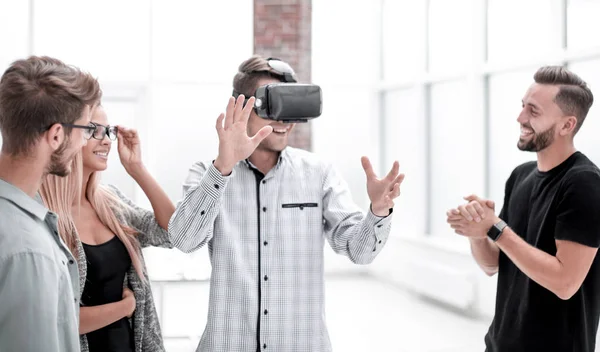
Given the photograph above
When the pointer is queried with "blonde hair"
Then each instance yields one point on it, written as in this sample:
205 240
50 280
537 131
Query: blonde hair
62 195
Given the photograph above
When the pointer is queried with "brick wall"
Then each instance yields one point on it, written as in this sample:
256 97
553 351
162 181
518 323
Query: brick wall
282 29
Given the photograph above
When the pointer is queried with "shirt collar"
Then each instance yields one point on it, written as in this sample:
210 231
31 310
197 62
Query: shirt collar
34 206
283 155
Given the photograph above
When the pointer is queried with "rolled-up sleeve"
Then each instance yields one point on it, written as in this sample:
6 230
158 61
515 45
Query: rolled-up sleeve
30 319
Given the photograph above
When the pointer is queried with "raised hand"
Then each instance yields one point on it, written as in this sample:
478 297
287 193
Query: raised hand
382 192
234 142
130 151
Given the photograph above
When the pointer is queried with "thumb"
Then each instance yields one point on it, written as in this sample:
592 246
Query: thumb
490 204
366 164
261 135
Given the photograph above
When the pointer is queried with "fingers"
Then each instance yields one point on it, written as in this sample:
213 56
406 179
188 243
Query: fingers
387 200
478 209
395 193
467 211
229 112
366 164
237 111
489 203
453 214
393 172
247 110
473 212
472 197
398 180
219 125
261 134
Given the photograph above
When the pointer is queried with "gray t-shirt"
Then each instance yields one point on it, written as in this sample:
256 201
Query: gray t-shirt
39 280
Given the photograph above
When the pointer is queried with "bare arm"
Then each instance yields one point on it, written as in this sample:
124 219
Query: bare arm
486 254
97 317
131 157
161 204
562 274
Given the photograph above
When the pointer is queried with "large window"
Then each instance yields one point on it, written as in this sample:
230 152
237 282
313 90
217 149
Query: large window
455 141
583 24
404 130
519 31
403 39
450 37
479 58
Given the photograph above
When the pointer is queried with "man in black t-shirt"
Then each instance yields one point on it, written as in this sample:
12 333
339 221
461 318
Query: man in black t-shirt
543 244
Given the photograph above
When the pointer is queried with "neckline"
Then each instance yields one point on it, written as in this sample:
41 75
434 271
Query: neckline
567 162
100 244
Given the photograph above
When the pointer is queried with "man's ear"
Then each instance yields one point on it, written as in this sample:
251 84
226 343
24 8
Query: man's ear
55 136
569 124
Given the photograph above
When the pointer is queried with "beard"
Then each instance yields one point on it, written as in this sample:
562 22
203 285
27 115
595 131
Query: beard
538 142
59 163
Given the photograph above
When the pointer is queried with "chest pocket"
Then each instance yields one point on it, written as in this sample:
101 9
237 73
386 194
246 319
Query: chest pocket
302 220
300 206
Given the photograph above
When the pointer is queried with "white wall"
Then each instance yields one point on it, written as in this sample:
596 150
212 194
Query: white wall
345 64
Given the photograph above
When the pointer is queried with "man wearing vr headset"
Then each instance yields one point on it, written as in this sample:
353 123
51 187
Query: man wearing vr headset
265 210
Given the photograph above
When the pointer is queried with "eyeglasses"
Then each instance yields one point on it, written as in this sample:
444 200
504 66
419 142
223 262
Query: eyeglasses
101 131
283 69
88 130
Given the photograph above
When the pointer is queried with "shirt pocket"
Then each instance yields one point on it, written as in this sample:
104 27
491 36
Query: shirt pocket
301 220
300 206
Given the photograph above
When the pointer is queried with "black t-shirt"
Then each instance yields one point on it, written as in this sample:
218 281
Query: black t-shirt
107 265
541 207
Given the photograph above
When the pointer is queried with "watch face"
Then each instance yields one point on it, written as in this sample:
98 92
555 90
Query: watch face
496 230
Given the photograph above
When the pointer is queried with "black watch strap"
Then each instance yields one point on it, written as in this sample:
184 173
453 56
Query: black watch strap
496 230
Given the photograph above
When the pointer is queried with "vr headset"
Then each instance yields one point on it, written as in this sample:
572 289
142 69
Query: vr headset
287 101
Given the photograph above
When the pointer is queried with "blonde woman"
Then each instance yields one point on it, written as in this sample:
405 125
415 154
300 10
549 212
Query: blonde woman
105 231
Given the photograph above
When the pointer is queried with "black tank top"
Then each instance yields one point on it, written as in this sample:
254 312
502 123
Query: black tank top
107 264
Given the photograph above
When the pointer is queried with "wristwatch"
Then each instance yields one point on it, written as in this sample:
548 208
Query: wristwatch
496 230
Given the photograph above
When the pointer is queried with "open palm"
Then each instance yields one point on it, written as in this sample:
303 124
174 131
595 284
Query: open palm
234 142
382 192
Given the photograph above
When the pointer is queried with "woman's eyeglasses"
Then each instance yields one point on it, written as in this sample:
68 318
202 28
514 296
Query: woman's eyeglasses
96 131
101 131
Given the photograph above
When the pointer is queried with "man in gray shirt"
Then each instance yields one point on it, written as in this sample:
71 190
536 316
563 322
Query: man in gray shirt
45 110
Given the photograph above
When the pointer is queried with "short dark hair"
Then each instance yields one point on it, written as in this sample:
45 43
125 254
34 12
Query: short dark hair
38 92
250 72
574 97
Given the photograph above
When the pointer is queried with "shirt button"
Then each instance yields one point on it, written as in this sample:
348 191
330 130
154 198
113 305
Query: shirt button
217 186
266 312
75 300
265 346
264 182
264 209
71 261
379 225
379 241
265 243
266 278
202 212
